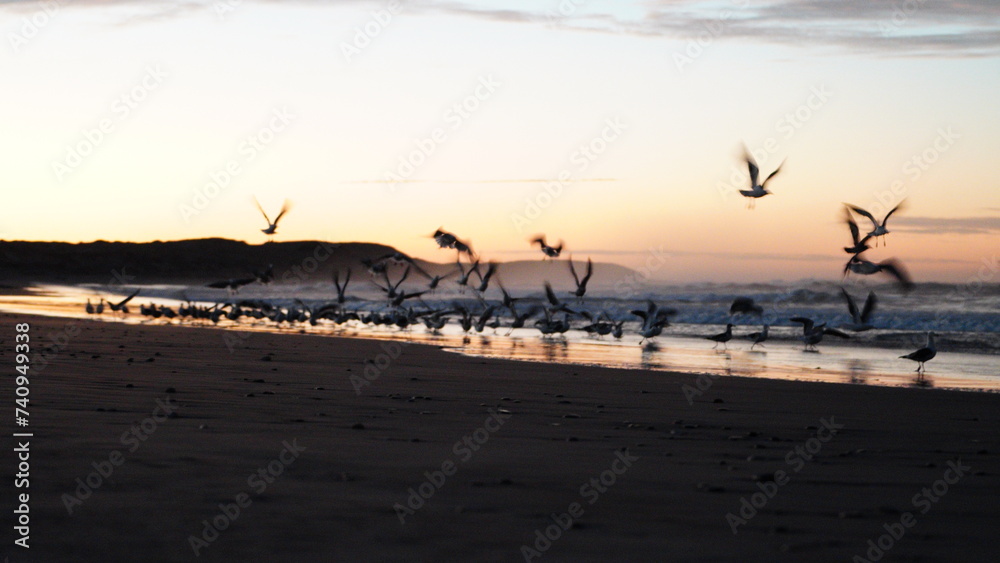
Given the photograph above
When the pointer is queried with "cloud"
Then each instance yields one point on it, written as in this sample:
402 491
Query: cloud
947 225
902 28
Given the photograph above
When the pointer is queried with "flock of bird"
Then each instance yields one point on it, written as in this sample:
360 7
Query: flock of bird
550 316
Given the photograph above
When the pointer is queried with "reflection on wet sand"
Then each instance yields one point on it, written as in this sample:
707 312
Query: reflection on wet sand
782 360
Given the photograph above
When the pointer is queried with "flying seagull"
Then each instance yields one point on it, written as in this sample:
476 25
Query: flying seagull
549 251
756 190
879 230
272 227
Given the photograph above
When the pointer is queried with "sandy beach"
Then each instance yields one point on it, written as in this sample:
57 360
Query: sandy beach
334 449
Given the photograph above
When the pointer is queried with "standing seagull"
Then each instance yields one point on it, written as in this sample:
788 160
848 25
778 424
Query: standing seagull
549 251
924 354
722 338
756 190
581 283
759 337
879 230
272 227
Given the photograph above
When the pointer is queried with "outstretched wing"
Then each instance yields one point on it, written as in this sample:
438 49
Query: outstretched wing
284 209
752 166
262 212
852 307
772 174
863 213
869 307
889 214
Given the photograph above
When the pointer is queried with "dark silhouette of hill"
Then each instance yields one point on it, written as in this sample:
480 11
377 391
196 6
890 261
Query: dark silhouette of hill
201 261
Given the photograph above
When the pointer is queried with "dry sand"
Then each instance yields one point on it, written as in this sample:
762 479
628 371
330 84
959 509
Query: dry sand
334 502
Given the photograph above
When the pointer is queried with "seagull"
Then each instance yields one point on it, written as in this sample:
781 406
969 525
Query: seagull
121 306
653 316
400 258
812 333
233 285
463 280
90 307
392 289
745 306
860 244
924 354
100 307
438 279
756 190
549 251
581 283
723 337
445 239
557 305
272 228
863 267
879 230
859 321
341 289
491 268
265 276
759 337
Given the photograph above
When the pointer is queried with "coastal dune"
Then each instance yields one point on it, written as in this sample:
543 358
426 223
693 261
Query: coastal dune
338 449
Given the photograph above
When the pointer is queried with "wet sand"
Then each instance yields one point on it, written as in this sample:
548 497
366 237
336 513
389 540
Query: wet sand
500 447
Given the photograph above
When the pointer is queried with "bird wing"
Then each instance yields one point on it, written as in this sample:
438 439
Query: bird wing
864 213
896 270
771 175
551 295
869 307
851 305
284 209
851 224
807 323
219 284
889 214
262 212
590 272
572 270
754 171
835 332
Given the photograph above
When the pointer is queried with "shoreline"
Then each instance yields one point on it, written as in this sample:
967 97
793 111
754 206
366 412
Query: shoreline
842 363
366 451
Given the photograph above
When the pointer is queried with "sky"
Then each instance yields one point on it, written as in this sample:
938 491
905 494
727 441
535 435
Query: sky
615 126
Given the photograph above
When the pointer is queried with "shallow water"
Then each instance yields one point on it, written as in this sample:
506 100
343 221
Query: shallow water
677 350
